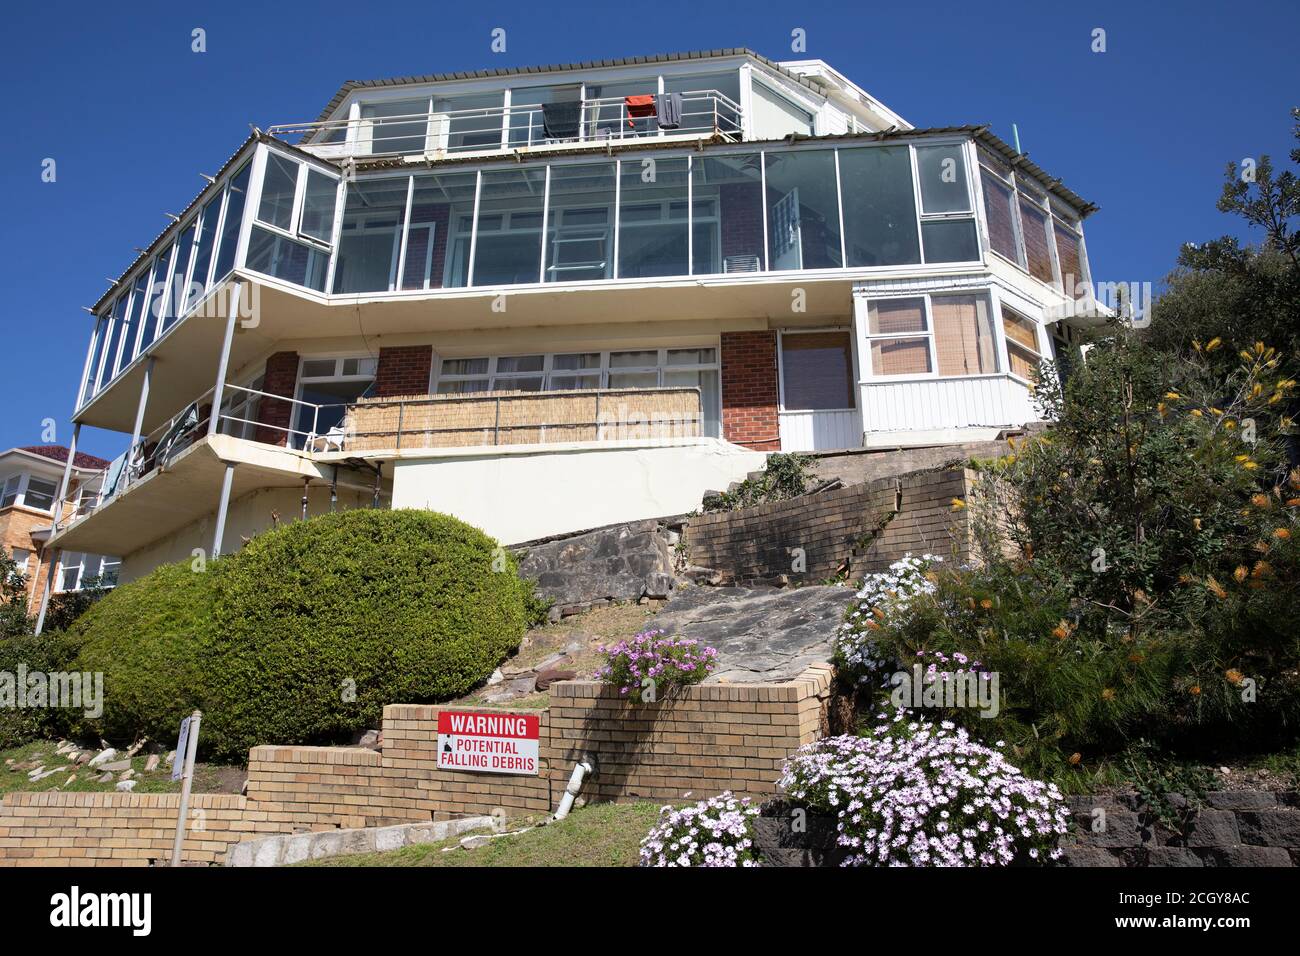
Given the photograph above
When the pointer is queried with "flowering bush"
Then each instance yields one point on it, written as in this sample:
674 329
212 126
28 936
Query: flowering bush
918 794
855 644
713 832
653 655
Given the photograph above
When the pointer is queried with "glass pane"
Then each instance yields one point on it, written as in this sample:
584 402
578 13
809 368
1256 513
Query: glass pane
654 241
40 494
1069 255
691 356
319 368
327 404
318 206
963 334
437 201
1033 222
287 259
519 363
951 240
710 397
1023 362
999 206
648 358
633 379
709 100
817 370
509 248
278 185
733 188
139 303
900 356
571 382
896 316
580 228
394 127
229 245
459 387
114 340
465 366
181 253
96 355
203 251
370 237
1020 330
803 219
526 126
576 360
509 383
606 116
360 366
467 122
942 172
879 206
156 300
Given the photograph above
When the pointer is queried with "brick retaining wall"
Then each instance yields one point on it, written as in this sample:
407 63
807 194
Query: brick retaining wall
706 739
866 526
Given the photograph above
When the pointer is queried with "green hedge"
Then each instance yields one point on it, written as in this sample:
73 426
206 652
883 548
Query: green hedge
147 638
48 653
319 624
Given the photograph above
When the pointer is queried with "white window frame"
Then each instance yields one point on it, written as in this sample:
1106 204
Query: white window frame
1009 345
869 373
21 481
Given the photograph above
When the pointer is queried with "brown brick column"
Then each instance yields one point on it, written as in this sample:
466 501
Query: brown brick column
281 378
404 370
749 390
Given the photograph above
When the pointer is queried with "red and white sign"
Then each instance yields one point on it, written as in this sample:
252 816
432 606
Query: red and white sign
488 743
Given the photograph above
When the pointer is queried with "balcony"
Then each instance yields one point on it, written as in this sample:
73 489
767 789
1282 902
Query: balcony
705 114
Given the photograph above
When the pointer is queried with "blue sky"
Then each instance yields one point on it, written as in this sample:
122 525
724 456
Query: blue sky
132 116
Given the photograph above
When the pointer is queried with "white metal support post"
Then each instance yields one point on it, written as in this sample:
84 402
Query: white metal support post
222 507
218 390
54 527
139 415
187 778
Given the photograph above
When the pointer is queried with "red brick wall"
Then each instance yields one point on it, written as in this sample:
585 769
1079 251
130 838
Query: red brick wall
281 379
749 390
403 370
742 220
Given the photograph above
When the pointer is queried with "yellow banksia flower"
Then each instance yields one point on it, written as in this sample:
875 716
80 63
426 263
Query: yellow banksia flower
1108 694
1061 631
1260 569
1229 424
958 504
1282 534
1215 588
1196 412
1240 574
1195 690
1234 676
1172 396
1213 344
1137 657
986 604
1075 758
1260 500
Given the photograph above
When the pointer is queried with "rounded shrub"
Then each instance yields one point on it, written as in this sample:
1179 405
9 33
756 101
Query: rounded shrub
317 625
147 637
20 656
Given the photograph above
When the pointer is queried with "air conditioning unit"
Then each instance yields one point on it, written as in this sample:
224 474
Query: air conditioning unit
740 264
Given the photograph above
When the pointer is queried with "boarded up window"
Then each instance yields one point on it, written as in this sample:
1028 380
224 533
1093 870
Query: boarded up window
963 334
817 370
1034 223
999 203
1022 344
1068 254
896 354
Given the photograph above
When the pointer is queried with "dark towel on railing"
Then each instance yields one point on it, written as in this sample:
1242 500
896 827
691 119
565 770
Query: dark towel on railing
670 110
561 120
639 107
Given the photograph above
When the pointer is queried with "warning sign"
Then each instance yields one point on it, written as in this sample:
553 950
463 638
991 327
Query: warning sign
491 743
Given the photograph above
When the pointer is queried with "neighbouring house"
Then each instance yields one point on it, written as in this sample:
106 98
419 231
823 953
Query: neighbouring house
554 298
29 486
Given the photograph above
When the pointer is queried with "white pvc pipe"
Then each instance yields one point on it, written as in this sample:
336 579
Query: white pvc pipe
580 770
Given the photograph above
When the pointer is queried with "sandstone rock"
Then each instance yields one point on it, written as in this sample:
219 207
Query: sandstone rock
475 841
103 756
496 678
47 773
575 647
369 740
151 764
658 584
1213 828
126 786
1273 828
126 774
548 677
549 662
116 765
135 747
104 778
70 780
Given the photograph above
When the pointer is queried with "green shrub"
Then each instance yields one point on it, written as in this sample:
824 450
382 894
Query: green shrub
48 653
147 637
319 624
786 475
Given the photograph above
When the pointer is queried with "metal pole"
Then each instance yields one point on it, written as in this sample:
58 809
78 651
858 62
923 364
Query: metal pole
334 490
139 417
401 413
54 526
305 483
224 505
218 390
187 777
379 474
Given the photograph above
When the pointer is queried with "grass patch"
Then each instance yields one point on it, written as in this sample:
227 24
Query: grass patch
604 834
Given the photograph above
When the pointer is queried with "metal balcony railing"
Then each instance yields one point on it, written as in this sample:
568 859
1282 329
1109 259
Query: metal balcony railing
704 113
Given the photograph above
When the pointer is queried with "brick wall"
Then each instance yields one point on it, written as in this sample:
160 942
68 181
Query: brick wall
704 740
742 220
403 370
866 527
281 378
749 390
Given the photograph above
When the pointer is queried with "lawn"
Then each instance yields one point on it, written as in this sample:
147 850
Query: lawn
605 834
207 778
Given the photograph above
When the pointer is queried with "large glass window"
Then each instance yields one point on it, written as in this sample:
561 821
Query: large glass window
526 126
580 226
964 343
237 194
1035 226
803 217
1022 344
109 365
509 245
817 370
654 238
181 253
730 187
462 123
98 338
318 206
329 386
879 206
1000 211
207 227
279 187
1069 256
398 126
370 240
438 201
898 336
139 302
1025 228
951 335
157 298
40 493
287 259
948 231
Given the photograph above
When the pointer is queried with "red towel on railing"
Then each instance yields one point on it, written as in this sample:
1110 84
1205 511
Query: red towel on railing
639 107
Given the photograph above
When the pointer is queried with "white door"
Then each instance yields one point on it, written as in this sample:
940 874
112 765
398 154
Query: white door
819 407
